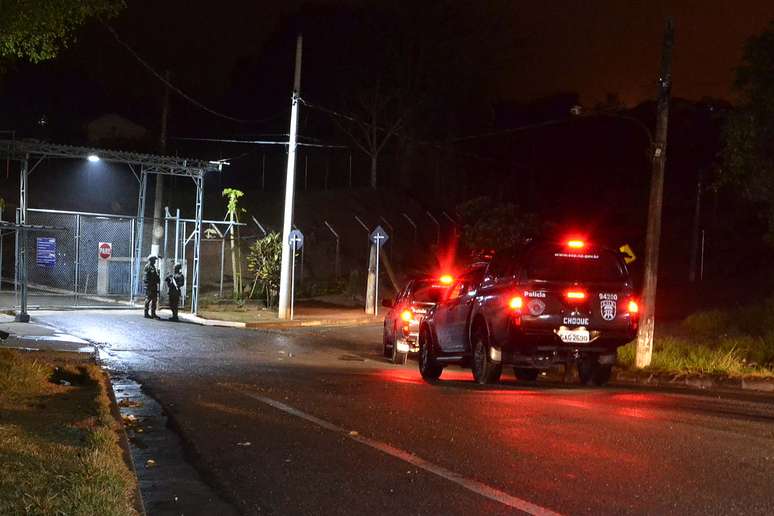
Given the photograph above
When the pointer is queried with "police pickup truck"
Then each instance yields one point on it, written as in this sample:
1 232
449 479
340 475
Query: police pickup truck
540 305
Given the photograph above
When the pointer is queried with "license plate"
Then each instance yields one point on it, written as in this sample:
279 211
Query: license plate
574 336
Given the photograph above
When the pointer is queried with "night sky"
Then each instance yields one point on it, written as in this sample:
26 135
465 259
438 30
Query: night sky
592 48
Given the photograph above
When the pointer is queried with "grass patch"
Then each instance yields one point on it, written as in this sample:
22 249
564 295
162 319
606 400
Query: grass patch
59 451
737 343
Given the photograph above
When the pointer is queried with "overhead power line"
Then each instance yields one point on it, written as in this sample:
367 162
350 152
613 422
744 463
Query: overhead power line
261 142
180 92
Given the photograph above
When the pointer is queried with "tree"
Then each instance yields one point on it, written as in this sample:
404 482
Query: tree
38 29
233 210
264 260
748 147
488 224
378 119
394 88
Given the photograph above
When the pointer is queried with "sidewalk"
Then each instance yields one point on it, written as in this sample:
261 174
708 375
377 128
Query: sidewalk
304 316
40 337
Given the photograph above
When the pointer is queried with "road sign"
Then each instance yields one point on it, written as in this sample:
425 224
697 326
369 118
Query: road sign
629 255
296 241
296 238
105 250
379 236
45 255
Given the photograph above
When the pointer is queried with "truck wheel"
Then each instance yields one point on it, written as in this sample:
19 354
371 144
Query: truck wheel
526 374
398 357
603 373
591 372
385 340
428 367
484 369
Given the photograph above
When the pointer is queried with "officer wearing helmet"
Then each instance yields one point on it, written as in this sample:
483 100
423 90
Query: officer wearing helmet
175 284
152 282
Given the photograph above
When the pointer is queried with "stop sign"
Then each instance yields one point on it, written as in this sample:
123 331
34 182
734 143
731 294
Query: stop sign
105 250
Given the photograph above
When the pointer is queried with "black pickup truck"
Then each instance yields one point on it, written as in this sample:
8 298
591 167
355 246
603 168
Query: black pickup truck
543 304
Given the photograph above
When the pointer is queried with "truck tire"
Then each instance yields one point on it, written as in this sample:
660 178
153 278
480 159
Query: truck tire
526 374
485 371
428 367
398 357
591 372
603 373
385 340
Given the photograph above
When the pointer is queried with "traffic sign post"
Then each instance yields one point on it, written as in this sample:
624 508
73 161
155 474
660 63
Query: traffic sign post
296 242
628 253
379 237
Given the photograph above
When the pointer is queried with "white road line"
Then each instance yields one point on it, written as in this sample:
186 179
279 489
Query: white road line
469 484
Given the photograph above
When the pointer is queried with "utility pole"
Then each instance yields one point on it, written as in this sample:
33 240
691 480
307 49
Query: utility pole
287 220
158 200
653 236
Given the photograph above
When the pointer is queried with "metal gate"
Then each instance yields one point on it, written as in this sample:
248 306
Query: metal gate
86 261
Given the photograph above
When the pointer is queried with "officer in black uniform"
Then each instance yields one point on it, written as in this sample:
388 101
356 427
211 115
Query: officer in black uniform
152 283
175 284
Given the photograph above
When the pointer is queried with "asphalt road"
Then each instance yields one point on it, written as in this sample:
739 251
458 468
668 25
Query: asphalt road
335 429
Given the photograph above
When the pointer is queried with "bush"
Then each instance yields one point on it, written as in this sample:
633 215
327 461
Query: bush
710 323
265 261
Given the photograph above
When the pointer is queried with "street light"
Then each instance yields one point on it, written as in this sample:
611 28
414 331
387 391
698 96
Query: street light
93 158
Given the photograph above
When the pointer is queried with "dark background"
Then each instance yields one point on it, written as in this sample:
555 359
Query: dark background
466 69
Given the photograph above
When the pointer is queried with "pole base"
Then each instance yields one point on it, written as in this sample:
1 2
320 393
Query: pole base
22 317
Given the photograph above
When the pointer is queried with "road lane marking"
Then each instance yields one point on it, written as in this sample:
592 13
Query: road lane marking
471 485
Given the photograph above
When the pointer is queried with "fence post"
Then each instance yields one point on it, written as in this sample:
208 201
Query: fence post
336 264
77 256
437 227
392 234
405 215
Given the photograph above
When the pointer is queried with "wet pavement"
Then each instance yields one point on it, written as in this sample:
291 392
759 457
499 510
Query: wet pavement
314 421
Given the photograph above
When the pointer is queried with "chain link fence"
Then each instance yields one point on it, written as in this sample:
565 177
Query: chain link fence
85 260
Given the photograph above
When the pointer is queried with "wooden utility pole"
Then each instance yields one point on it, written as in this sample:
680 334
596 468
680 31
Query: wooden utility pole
158 201
653 236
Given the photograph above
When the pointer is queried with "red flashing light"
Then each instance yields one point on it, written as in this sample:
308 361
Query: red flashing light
516 303
633 307
407 315
575 295
446 279
576 244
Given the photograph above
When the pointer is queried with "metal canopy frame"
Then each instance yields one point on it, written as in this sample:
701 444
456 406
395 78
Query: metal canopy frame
21 150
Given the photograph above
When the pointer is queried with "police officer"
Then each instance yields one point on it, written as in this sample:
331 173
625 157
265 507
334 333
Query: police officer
175 284
152 283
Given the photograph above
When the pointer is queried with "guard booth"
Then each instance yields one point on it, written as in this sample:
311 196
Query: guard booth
91 257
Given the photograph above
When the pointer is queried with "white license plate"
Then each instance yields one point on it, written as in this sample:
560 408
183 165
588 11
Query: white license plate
574 336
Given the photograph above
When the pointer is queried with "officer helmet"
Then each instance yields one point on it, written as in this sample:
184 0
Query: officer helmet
152 258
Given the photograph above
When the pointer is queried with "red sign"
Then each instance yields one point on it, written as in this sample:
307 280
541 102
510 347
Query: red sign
105 250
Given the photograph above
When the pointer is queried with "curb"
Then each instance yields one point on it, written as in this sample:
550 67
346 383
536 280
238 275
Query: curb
123 440
696 382
275 325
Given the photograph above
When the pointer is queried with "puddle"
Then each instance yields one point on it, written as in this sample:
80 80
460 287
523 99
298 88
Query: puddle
56 337
352 358
169 485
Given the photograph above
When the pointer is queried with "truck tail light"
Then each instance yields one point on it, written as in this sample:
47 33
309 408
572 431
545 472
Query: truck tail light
446 279
576 244
407 315
633 307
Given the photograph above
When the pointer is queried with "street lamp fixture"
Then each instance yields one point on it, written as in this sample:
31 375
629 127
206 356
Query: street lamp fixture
93 158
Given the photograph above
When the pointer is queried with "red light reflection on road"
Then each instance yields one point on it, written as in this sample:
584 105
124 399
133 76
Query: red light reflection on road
631 396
